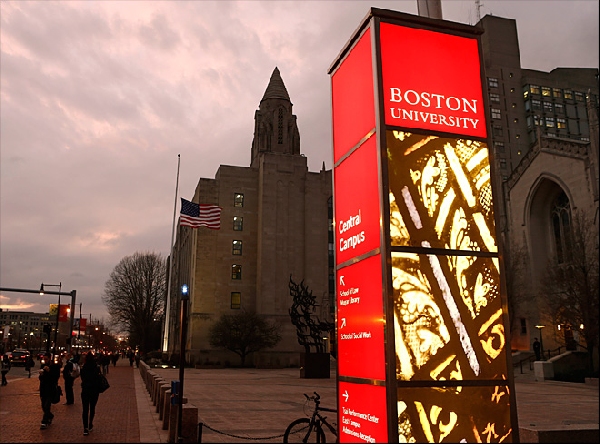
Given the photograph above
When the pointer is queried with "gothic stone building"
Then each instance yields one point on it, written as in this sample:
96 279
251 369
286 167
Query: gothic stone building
275 223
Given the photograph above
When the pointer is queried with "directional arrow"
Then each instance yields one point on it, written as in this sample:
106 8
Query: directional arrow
342 280
343 323
346 395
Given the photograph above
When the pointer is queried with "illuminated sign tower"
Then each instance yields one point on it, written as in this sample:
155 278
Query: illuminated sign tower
422 333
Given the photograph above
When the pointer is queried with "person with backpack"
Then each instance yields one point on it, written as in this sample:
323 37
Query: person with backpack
70 373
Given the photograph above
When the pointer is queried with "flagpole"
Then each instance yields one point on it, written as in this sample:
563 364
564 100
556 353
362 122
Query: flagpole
168 302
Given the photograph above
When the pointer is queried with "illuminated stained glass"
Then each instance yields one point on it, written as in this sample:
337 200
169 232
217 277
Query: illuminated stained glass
458 414
447 326
448 317
440 191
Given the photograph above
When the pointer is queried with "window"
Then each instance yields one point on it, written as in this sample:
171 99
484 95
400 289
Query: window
238 200
236 272
236 300
547 107
568 94
536 104
556 92
523 326
537 121
496 113
549 122
560 214
494 98
497 131
546 91
525 92
492 82
238 223
499 147
579 96
503 164
561 123
559 108
534 89
236 247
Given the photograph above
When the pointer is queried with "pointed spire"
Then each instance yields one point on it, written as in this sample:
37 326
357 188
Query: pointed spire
276 88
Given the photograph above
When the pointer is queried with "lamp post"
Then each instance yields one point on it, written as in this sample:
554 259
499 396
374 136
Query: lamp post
539 327
59 285
184 303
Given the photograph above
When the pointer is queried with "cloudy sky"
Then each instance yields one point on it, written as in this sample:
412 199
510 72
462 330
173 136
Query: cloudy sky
99 97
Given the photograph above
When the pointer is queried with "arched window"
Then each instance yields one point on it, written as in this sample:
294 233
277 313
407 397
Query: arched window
561 226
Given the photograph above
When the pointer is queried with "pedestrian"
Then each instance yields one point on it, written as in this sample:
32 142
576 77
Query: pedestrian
90 373
69 375
537 349
49 376
5 368
30 363
131 357
115 358
105 362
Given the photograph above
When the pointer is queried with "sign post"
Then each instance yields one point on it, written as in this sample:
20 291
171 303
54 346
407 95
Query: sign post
422 327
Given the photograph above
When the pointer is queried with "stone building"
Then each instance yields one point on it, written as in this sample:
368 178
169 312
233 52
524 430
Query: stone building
275 223
544 135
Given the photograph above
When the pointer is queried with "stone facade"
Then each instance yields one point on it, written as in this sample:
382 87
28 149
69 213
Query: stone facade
544 142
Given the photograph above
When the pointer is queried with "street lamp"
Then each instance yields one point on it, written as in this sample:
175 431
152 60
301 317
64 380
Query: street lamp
57 310
539 327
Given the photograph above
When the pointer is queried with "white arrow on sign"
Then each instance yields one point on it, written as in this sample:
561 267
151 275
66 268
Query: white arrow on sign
342 280
346 395
343 323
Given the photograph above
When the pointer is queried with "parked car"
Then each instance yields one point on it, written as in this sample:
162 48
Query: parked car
19 357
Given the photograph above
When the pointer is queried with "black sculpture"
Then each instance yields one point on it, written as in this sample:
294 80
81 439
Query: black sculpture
309 328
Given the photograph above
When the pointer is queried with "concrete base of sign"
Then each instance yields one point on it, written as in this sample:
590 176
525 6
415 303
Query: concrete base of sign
315 365
561 433
543 370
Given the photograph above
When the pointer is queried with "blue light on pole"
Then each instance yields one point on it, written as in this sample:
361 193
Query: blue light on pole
184 291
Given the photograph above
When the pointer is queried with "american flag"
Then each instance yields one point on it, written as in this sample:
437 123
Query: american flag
199 215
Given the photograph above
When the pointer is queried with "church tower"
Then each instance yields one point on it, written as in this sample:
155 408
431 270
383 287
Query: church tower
275 127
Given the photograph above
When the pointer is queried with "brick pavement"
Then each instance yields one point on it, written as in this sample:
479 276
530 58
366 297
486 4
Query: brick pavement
247 403
116 412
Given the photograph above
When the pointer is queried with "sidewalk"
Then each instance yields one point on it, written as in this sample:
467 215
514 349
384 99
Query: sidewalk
116 412
238 405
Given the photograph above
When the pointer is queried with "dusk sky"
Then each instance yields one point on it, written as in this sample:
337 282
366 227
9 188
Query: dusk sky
97 99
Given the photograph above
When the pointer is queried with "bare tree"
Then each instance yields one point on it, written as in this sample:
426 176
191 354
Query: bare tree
135 297
244 333
570 289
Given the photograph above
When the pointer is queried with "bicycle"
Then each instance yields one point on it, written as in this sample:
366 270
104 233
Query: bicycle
295 431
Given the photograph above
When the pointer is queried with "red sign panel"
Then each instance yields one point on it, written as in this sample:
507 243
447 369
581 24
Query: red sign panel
353 103
431 80
361 350
362 413
357 215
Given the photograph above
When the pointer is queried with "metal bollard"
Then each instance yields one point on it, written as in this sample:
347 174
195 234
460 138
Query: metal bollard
200 432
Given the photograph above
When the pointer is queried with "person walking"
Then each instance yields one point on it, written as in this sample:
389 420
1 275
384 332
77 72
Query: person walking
5 368
537 349
68 376
49 376
90 372
29 365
